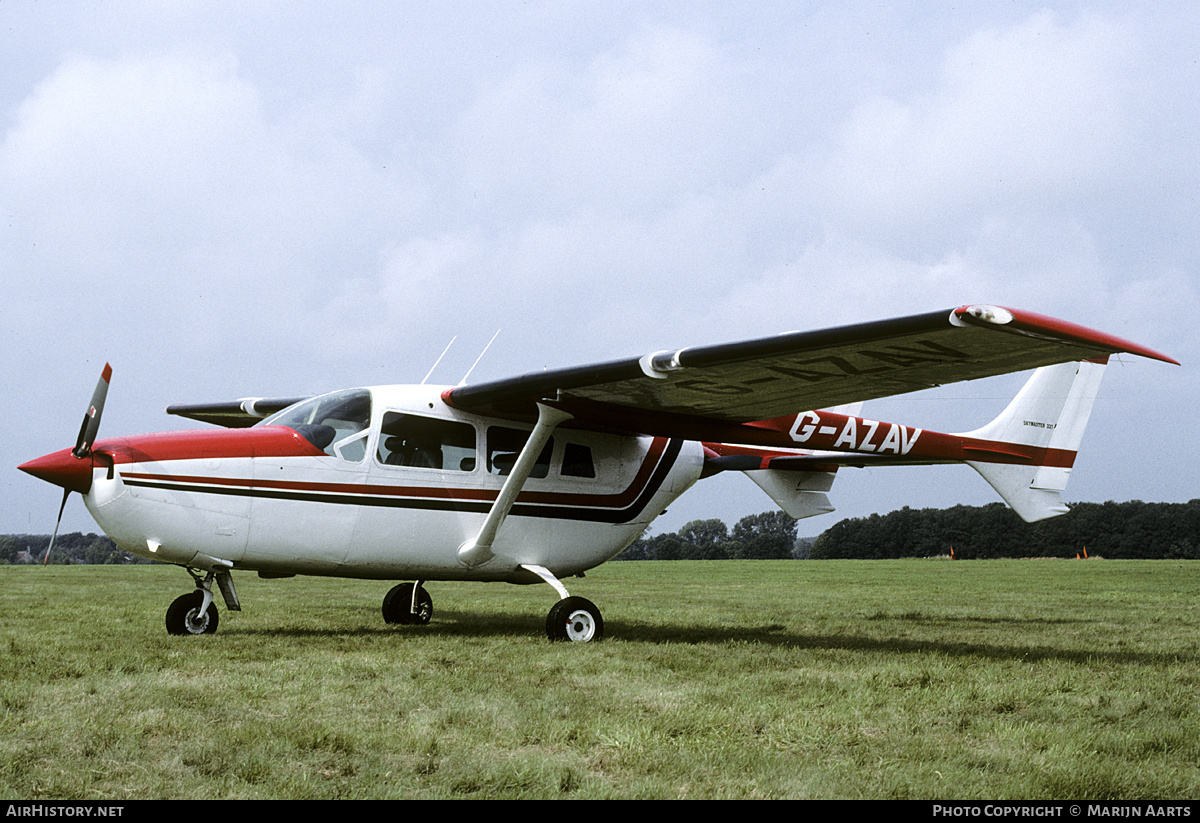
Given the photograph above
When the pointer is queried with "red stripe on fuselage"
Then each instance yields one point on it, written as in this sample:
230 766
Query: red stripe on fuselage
208 444
273 447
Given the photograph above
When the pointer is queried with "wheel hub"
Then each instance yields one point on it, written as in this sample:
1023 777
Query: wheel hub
196 621
580 626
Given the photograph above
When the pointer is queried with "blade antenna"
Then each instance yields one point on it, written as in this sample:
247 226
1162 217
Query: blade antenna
439 360
463 382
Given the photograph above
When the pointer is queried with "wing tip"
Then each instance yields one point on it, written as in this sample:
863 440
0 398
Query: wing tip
1027 322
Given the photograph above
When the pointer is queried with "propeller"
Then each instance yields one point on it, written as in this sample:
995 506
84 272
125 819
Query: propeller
57 523
91 418
83 444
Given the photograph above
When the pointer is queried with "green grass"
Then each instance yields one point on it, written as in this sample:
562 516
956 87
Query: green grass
830 679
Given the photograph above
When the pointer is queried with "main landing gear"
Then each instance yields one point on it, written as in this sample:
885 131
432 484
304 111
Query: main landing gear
572 618
195 612
408 604
576 619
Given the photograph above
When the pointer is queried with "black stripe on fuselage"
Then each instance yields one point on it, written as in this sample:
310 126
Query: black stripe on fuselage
624 515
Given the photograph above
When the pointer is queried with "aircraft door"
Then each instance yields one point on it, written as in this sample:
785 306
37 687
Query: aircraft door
427 491
305 508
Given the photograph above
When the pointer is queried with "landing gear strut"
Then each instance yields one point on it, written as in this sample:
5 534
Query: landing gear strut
572 618
408 604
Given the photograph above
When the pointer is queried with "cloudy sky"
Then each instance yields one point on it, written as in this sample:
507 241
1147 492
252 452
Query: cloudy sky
277 198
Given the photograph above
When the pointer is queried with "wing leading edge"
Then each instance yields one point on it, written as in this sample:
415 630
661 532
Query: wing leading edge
707 392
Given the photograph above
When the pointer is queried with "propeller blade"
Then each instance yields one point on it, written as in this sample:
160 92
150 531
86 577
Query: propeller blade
57 523
91 419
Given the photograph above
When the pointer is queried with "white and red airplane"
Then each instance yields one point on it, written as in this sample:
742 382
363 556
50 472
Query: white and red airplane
546 475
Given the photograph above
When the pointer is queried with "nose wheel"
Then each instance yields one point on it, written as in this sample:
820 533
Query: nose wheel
188 615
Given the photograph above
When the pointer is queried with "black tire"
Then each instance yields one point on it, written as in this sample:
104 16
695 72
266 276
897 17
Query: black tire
575 619
397 605
184 617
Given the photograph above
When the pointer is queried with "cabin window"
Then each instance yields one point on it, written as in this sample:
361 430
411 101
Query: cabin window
504 447
577 461
426 443
335 423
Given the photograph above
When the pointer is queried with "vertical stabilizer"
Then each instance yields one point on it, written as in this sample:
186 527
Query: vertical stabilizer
1049 414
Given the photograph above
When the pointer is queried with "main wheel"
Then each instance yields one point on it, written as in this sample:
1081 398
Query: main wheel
397 606
184 615
575 619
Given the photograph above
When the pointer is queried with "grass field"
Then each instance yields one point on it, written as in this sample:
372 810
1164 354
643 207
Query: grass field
730 679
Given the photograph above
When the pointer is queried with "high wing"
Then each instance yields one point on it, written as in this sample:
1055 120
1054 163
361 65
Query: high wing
710 392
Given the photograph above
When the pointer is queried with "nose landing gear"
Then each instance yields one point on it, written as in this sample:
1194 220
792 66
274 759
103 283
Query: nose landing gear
195 612
189 614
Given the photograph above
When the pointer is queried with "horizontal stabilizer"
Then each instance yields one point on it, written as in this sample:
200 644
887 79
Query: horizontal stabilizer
800 494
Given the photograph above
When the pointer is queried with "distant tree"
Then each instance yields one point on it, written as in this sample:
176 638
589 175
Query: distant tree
770 535
704 539
666 547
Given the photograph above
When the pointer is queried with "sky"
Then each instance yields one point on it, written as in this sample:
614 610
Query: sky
270 198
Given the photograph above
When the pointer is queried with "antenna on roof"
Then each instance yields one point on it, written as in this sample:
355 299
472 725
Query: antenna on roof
463 382
439 360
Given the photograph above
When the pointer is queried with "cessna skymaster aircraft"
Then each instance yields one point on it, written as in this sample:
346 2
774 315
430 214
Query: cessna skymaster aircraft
543 476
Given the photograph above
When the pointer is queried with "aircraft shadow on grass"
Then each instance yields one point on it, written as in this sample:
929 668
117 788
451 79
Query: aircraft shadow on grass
452 623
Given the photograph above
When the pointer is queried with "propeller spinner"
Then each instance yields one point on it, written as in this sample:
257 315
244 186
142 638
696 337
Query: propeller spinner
72 468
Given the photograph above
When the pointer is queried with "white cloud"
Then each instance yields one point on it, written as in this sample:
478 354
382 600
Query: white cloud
1025 116
637 127
160 189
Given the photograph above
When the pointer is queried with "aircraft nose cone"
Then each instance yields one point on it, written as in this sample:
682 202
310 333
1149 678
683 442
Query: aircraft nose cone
62 469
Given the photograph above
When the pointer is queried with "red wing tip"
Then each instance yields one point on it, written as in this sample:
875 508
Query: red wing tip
1043 324
106 375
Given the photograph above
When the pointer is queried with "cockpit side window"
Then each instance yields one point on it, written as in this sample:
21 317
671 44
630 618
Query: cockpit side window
334 423
426 443
504 446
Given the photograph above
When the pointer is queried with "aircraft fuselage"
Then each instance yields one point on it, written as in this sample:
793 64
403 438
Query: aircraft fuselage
391 495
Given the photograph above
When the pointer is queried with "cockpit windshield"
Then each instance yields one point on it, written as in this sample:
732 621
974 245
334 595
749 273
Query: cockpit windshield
335 423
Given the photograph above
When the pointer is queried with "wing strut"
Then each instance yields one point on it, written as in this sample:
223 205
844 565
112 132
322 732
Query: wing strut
479 550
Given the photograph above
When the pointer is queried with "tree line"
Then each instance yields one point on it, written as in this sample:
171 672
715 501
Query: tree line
74 548
1132 530
1118 531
